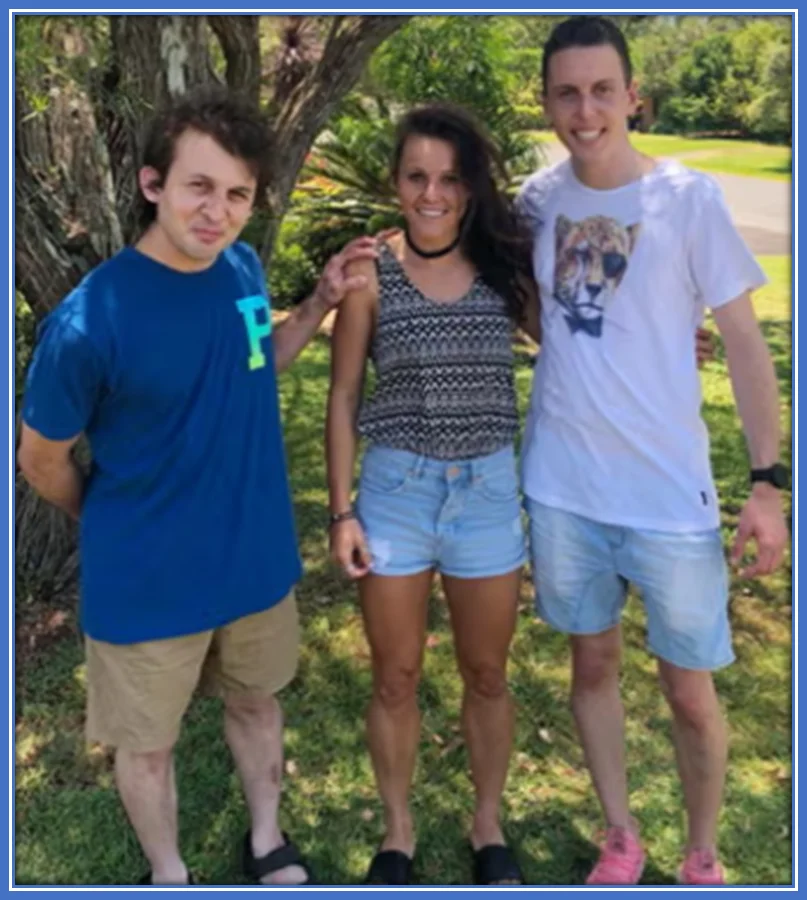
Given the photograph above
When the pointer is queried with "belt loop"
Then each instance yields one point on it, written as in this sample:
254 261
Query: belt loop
419 465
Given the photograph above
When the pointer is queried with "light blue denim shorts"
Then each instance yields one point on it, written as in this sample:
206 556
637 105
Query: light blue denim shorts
582 568
461 518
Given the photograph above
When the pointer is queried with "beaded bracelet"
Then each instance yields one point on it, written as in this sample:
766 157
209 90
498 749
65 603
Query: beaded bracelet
335 518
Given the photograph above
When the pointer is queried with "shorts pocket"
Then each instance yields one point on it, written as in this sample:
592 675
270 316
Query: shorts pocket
499 485
381 474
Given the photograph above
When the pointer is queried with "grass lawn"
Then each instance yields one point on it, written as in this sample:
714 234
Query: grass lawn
735 157
70 827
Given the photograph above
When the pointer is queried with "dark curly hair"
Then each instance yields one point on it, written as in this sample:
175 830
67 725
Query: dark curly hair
493 238
233 122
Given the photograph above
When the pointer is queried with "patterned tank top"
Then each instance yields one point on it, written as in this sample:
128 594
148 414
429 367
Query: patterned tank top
444 371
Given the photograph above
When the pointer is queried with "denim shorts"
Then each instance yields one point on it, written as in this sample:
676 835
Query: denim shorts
582 569
461 518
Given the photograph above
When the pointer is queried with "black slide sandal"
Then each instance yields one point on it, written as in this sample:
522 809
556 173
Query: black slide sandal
390 867
496 864
257 868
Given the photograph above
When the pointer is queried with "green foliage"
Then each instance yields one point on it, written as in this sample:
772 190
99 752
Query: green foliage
347 174
655 52
529 116
733 76
461 59
56 50
24 337
769 114
293 274
707 90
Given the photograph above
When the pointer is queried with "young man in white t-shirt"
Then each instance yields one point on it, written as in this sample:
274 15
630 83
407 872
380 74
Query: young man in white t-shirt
629 253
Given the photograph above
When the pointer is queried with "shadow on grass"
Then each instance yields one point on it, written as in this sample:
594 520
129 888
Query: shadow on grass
562 855
782 168
71 828
76 833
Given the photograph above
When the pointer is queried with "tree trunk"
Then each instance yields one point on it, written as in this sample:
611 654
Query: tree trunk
66 221
75 159
75 165
350 44
239 37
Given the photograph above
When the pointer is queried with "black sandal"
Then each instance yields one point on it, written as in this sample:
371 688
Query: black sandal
257 868
390 867
496 864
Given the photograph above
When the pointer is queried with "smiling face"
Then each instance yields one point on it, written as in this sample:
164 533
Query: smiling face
202 206
431 192
588 101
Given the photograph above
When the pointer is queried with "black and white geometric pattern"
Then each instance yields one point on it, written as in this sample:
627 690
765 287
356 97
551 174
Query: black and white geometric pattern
444 371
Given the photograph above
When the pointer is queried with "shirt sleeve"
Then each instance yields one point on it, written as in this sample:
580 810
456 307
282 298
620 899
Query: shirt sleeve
721 263
64 382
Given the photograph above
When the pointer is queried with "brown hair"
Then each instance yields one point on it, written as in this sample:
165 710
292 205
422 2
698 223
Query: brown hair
234 123
586 31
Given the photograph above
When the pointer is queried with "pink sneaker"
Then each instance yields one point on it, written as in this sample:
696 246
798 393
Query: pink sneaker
701 867
621 859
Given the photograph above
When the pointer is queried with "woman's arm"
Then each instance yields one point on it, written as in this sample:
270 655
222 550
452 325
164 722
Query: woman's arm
532 310
350 344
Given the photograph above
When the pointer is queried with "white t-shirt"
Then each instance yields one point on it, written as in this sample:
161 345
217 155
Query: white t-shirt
614 431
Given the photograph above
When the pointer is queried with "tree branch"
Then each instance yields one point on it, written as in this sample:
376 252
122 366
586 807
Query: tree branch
314 99
239 37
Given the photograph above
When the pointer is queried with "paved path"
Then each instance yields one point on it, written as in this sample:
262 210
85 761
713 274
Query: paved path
761 207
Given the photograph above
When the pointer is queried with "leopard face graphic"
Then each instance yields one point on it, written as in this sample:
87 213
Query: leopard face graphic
591 258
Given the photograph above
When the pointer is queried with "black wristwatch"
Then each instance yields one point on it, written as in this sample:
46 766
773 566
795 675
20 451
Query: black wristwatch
777 475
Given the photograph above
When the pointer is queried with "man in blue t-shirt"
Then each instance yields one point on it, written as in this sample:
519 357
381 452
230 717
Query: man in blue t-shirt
165 358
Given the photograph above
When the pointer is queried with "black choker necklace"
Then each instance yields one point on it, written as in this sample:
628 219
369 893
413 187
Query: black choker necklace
431 254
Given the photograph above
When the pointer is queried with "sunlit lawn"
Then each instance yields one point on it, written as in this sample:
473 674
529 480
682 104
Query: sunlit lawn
70 827
714 155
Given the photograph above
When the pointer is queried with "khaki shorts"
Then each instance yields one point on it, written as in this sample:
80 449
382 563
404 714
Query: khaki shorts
137 694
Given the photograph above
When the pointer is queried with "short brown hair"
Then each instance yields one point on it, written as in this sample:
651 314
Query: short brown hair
586 31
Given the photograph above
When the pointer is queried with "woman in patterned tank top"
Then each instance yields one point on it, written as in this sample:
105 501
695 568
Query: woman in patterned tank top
438 490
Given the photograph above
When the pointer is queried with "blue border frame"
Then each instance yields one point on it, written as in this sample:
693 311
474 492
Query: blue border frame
795 760
514 7
10 445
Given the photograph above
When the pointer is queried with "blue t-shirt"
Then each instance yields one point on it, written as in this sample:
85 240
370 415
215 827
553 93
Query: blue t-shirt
187 521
